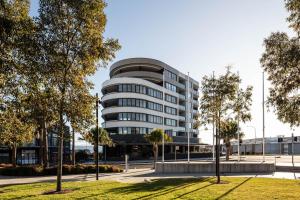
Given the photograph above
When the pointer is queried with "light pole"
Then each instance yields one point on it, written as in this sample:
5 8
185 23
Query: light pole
163 136
189 115
263 110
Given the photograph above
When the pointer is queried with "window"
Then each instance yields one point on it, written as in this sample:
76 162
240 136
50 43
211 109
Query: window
171 98
140 103
154 93
171 75
171 87
133 130
170 110
170 122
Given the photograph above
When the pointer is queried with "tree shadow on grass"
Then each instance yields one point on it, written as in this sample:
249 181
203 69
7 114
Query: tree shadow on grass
158 187
232 189
195 190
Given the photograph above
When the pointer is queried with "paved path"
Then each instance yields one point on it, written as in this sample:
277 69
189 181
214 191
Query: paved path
132 176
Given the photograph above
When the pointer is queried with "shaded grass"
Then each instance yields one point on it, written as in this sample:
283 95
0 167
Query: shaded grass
204 188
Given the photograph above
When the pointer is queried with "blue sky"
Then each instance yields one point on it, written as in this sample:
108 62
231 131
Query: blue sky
199 37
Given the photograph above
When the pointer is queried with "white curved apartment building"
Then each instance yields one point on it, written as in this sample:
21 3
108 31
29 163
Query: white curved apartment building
143 94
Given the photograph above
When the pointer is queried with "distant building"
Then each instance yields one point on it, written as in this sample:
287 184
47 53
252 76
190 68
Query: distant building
273 145
143 94
28 154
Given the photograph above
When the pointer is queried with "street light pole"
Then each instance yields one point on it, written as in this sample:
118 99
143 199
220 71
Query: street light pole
238 119
214 122
97 139
263 109
163 136
189 123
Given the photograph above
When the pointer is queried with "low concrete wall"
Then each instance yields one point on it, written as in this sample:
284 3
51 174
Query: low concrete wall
209 167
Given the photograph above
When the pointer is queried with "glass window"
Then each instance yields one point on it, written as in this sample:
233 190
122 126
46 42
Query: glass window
171 87
171 98
120 88
171 75
170 122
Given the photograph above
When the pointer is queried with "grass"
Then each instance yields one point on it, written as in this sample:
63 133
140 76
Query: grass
205 188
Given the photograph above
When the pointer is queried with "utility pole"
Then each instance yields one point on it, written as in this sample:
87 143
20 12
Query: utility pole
238 119
214 120
97 138
163 136
189 116
263 109
218 148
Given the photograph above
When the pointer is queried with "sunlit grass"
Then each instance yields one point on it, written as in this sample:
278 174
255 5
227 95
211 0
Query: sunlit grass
233 188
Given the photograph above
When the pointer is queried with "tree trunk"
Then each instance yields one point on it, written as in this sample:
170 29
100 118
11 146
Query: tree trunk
41 149
155 152
14 155
73 147
60 148
227 151
45 146
95 154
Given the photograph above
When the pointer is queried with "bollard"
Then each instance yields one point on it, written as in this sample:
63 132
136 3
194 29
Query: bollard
126 163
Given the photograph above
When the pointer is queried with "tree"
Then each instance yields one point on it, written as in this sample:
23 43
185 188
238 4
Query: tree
104 139
16 28
228 131
70 35
80 112
15 131
155 138
221 99
281 62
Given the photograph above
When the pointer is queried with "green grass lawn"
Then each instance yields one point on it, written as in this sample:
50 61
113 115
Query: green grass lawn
235 188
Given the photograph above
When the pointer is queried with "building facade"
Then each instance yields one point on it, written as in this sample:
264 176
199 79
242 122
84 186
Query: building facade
273 145
29 154
143 94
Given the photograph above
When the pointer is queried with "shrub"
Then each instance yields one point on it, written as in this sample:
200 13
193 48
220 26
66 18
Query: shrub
5 165
67 169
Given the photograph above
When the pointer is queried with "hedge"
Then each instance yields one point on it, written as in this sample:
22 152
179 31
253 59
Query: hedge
67 169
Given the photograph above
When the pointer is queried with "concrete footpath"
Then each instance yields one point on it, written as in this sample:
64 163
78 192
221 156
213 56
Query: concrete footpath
132 176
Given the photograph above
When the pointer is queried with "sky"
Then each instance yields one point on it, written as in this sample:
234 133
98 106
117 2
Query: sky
200 37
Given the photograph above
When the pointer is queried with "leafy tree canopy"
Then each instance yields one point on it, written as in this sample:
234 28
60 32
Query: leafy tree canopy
281 62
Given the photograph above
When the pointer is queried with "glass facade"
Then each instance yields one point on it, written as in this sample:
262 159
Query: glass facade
171 87
140 103
170 98
170 110
133 130
170 122
140 89
171 75
140 117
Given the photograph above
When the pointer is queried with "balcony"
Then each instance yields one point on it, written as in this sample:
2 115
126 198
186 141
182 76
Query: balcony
181 107
195 102
181 96
181 118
